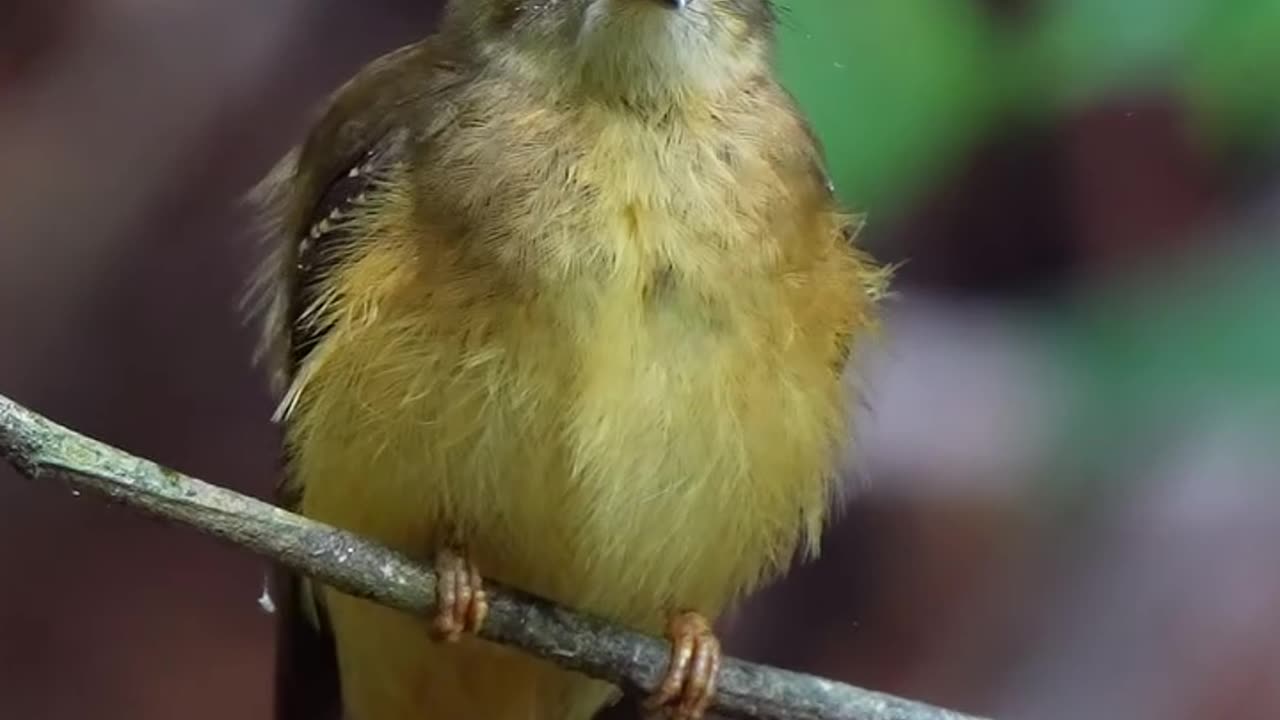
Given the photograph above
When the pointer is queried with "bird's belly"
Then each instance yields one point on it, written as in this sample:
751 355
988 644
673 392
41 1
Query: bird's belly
648 465
620 457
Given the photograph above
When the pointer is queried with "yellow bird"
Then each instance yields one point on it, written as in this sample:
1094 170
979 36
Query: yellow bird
560 296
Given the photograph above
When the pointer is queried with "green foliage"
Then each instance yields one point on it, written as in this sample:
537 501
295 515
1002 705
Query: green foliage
895 88
898 89
1233 79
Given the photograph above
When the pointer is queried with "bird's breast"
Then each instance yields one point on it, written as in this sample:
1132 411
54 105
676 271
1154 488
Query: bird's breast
616 396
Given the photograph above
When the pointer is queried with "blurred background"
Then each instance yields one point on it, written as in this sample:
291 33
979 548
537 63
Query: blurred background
1066 499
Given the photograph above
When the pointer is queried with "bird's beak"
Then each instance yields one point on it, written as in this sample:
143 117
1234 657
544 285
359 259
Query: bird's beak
677 4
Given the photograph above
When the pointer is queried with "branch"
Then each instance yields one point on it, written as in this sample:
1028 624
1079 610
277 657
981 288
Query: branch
40 448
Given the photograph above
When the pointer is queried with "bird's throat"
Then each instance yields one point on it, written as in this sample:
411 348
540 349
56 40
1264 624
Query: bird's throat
645 52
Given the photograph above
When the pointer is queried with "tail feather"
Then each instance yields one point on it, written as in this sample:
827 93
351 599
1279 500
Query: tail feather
306 672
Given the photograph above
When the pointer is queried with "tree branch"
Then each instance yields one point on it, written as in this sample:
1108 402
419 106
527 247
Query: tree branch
40 448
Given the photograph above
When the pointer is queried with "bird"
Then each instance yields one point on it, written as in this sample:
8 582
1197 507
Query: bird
559 296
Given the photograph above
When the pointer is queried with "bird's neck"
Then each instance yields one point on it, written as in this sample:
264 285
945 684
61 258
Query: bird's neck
655 67
658 61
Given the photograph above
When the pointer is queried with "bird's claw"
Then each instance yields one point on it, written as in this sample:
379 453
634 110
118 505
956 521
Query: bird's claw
461 602
689 686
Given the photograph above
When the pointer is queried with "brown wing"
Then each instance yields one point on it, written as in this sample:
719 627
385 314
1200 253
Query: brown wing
306 682
362 136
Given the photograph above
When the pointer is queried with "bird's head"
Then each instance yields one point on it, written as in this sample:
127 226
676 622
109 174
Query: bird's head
627 48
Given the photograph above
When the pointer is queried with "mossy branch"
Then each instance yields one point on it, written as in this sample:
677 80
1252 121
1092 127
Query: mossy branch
41 449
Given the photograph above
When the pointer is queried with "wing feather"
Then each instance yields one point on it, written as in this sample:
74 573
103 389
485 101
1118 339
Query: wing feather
306 672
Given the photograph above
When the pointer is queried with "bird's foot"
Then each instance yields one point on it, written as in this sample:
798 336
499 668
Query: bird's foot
689 686
461 603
